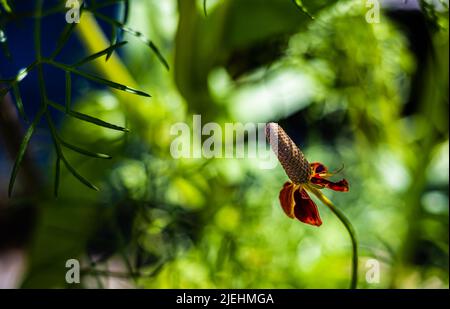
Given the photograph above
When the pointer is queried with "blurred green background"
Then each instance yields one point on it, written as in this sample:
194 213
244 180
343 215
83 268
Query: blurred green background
370 96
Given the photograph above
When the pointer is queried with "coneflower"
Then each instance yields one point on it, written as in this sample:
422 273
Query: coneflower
304 177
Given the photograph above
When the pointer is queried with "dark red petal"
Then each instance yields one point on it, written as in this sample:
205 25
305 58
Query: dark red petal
336 186
305 209
287 199
318 168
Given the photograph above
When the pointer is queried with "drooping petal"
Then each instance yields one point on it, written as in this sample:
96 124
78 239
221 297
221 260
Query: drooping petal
305 209
341 185
287 198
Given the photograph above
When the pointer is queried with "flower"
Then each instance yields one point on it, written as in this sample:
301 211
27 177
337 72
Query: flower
303 176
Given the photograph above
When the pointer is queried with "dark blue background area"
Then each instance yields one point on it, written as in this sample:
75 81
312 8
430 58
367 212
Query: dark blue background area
20 37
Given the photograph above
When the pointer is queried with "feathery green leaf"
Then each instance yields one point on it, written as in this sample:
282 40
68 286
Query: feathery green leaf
84 151
106 51
87 118
23 148
137 34
78 176
98 79
64 37
18 99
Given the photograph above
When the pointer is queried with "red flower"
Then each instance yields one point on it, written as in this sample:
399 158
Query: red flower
296 202
303 176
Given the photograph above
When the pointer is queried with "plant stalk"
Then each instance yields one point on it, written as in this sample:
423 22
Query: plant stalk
348 226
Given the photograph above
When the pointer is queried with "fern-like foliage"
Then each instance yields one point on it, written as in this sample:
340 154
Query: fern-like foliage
12 84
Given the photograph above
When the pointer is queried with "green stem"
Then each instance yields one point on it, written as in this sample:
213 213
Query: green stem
349 227
37 30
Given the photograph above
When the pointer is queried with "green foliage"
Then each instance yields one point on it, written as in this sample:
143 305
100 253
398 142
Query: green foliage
22 149
216 223
13 83
233 28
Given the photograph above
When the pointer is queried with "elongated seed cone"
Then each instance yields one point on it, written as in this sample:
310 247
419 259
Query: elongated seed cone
290 156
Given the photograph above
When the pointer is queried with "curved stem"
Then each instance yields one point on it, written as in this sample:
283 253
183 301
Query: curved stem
349 227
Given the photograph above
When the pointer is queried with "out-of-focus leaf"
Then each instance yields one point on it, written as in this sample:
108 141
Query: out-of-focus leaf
234 27
126 11
5 5
62 231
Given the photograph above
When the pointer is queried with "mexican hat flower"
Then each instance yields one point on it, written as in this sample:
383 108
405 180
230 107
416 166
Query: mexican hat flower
303 176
